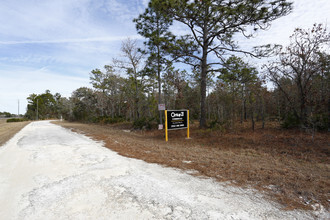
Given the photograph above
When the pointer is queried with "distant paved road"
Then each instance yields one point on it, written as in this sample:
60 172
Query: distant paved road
48 172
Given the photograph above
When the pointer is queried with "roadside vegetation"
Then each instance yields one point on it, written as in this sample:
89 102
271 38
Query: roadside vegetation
237 93
221 86
16 120
8 130
8 115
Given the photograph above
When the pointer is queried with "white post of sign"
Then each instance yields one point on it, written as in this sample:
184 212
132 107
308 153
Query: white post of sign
161 107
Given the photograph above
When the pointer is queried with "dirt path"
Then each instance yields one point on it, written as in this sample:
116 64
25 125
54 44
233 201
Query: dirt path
48 172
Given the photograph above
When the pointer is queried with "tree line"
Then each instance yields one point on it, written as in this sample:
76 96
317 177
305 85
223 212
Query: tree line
7 115
221 88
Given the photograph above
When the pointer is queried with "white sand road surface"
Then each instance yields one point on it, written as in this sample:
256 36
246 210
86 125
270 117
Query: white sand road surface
48 172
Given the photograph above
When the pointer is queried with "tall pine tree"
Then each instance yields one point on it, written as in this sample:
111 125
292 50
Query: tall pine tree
154 27
211 26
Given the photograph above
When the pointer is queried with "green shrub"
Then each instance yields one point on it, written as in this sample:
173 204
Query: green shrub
145 123
319 122
216 125
110 120
15 120
291 121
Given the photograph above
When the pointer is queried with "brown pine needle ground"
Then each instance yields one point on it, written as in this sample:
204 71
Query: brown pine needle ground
287 165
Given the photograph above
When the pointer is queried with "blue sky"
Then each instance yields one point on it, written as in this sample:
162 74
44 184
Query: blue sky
54 44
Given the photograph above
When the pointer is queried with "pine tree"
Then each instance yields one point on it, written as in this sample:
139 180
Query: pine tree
211 27
154 27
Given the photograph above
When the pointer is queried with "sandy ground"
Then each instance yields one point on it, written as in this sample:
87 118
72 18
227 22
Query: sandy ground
48 172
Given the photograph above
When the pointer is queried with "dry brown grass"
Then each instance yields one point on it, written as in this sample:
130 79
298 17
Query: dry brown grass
288 166
8 130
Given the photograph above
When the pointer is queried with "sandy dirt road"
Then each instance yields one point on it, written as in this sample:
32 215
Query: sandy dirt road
48 172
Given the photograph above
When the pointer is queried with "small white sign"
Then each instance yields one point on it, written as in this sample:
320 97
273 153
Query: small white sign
160 127
161 107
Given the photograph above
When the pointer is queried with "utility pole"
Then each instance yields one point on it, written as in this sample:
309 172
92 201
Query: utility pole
18 108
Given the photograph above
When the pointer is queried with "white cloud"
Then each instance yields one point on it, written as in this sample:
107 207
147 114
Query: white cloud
305 13
125 10
53 20
81 40
46 44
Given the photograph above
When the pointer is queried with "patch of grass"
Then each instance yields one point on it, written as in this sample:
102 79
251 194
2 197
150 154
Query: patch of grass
8 130
289 166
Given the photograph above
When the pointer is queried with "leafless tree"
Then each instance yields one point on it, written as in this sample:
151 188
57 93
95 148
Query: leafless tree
298 67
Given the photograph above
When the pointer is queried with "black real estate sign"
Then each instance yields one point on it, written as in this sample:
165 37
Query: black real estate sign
177 119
